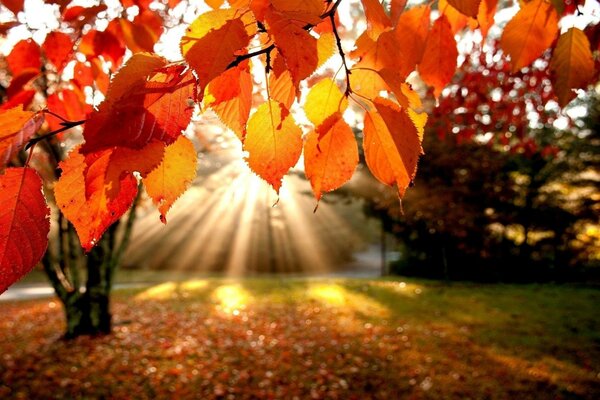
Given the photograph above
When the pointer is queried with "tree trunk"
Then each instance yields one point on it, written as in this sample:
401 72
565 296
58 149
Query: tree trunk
88 313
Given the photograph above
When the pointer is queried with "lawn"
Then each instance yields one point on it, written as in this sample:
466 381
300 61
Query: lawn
313 338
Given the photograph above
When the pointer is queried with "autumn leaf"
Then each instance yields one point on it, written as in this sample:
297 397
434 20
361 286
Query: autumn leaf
24 55
16 6
377 20
470 8
58 48
297 47
458 21
142 33
572 65
147 100
230 96
411 33
439 57
324 100
330 156
391 144
273 142
81 195
69 104
95 44
282 88
167 182
531 31
485 16
22 99
213 41
16 128
24 224
396 10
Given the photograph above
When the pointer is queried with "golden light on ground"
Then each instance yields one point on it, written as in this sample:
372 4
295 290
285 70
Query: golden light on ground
401 288
334 295
231 298
170 290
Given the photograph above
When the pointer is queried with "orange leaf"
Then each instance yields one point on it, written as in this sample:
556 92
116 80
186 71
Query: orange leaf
273 142
300 12
173 175
146 101
24 224
367 83
411 33
572 65
439 57
330 157
485 17
81 195
470 8
16 128
281 88
377 20
58 48
297 47
141 34
213 41
391 144
531 31
396 10
458 21
230 96
324 100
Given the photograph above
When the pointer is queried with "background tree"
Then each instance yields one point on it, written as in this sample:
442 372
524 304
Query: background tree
502 194
253 63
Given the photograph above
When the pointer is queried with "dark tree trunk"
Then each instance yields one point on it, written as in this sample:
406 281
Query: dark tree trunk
87 309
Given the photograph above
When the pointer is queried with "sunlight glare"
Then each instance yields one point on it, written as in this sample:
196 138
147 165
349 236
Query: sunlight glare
231 298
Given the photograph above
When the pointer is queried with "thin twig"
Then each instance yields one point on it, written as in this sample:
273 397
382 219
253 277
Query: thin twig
338 41
239 59
66 126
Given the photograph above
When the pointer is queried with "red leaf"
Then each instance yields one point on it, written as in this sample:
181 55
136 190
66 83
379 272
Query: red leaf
25 55
146 101
24 224
58 48
440 56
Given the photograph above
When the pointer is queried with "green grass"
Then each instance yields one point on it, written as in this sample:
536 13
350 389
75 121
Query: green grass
384 338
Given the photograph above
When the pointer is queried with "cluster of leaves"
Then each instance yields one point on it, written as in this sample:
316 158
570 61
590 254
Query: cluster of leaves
136 132
284 341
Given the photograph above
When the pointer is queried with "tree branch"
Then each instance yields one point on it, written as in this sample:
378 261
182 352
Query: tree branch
239 59
338 41
65 126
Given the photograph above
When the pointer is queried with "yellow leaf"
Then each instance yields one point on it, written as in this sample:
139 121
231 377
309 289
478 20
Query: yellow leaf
323 100
273 142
